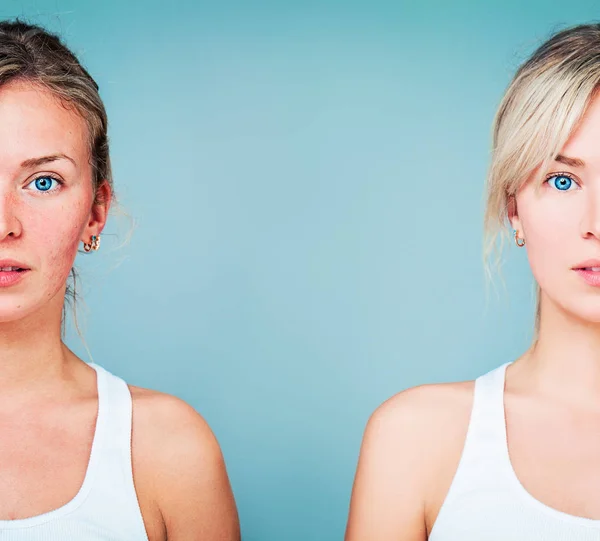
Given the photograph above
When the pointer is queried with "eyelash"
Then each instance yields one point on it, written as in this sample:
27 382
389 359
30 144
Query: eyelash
47 175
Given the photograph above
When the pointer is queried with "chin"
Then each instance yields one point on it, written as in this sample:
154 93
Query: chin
587 310
591 317
14 309
17 305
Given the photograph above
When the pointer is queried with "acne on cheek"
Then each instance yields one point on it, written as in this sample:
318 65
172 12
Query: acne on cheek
60 255
57 265
59 236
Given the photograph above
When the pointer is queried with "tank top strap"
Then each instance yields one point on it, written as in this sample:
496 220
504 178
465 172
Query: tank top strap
118 413
113 491
483 463
487 425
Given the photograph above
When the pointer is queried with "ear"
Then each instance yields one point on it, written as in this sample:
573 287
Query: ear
98 212
513 214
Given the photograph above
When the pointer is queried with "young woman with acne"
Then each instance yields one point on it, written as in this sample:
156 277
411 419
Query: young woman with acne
515 454
83 455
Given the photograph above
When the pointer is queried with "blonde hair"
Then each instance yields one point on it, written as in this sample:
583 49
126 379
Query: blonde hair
541 108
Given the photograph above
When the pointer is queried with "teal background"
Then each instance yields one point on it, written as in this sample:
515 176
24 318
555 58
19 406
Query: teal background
307 182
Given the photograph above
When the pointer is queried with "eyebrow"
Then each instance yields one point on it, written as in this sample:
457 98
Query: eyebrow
35 162
572 162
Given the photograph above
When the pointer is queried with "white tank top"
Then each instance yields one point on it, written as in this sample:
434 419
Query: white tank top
486 501
106 507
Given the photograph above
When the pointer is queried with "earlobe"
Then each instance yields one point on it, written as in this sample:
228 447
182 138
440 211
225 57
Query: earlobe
515 222
97 218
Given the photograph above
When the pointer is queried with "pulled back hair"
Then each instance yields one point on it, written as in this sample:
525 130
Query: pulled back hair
541 108
32 54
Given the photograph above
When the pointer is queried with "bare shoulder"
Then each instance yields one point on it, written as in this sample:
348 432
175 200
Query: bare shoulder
179 470
427 426
164 418
430 411
410 450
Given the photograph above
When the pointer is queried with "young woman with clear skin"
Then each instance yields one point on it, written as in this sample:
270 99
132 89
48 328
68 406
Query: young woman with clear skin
55 195
529 468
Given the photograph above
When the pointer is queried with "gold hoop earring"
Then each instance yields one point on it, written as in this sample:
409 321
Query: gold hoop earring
94 244
518 240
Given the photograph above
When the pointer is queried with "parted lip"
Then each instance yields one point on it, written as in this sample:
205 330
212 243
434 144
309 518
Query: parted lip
13 263
584 265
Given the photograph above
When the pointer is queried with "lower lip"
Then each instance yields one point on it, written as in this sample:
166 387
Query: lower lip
10 278
592 278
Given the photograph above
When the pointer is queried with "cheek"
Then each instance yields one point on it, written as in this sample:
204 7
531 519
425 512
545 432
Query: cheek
56 237
551 226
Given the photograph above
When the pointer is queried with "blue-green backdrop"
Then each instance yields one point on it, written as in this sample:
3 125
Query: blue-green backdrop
307 182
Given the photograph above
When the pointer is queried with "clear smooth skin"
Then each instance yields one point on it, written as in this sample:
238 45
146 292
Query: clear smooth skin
48 404
412 443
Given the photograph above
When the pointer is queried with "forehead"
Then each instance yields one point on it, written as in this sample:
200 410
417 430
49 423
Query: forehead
33 123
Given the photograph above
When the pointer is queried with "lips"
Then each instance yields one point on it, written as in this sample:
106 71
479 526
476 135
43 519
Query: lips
589 265
12 273
12 265
589 271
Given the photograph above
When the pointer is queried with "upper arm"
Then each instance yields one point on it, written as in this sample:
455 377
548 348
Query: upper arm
189 478
388 494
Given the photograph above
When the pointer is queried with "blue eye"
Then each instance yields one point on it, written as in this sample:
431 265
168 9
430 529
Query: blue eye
561 182
45 183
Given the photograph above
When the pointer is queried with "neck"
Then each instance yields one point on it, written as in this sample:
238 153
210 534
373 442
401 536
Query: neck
565 359
32 354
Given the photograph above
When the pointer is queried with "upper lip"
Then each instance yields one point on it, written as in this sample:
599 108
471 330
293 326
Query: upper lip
584 265
12 263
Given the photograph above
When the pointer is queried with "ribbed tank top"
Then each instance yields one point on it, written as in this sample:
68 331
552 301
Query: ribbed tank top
106 507
486 501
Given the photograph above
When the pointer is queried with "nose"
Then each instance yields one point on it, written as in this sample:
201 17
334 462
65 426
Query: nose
10 225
